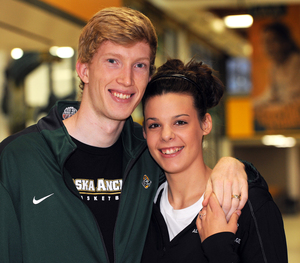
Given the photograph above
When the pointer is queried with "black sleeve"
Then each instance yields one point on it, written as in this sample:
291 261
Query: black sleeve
220 248
260 237
254 177
261 230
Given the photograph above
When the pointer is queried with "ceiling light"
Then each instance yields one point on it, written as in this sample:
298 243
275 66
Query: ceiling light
62 52
53 50
218 25
248 50
238 21
279 141
16 53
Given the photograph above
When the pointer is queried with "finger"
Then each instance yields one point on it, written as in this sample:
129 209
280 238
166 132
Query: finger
203 210
201 214
218 189
233 222
234 205
199 223
207 193
244 194
213 204
227 196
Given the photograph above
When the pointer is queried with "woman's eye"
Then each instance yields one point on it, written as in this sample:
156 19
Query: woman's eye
181 122
152 126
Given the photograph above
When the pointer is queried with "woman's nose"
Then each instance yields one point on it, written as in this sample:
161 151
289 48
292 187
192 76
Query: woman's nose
167 134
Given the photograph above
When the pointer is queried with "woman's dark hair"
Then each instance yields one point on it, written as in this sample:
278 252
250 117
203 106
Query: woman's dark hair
195 79
283 33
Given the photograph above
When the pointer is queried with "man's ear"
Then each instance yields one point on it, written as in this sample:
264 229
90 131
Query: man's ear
207 124
83 71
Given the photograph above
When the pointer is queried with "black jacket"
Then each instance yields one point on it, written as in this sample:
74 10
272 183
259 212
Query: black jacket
260 237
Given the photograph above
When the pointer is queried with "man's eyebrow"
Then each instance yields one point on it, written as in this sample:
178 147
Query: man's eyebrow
120 55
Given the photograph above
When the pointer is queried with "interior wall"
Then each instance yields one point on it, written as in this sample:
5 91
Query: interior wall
3 120
260 62
82 9
270 162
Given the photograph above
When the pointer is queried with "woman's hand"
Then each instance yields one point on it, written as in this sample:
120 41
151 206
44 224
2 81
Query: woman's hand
212 220
228 179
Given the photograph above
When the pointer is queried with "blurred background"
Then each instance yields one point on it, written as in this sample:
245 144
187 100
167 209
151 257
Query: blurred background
252 44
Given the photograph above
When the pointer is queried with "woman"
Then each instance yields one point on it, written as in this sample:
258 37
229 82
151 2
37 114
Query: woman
278 106
175 108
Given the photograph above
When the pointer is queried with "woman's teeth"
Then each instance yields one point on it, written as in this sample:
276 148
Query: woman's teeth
171 150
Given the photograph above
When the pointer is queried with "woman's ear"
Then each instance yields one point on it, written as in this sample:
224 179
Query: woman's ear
82 71
207 124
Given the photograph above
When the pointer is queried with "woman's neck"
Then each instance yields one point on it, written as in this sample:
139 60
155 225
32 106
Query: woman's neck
186 188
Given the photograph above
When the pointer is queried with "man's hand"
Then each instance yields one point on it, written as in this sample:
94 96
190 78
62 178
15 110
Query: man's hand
212 220
228 178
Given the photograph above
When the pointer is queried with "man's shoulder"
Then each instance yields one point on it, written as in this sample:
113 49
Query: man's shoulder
133 128
18 139
138 130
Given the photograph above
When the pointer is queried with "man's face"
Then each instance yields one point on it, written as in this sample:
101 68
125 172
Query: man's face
116 79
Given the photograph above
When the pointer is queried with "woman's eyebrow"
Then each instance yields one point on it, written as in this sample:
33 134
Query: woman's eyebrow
181 115
151 119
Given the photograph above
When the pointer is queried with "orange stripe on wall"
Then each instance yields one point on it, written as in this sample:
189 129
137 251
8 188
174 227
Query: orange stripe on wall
239 117
83 9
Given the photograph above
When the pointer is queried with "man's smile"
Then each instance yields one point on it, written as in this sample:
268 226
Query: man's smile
121 95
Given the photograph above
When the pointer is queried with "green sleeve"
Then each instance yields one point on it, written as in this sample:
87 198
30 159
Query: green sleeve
10 234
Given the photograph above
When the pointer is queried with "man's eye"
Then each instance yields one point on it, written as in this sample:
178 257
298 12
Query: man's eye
110 60
140 65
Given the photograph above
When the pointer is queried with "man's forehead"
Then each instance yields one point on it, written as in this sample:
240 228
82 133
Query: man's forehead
139 49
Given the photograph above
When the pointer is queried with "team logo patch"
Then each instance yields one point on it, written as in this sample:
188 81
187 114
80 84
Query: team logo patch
68 112
237 240
146 182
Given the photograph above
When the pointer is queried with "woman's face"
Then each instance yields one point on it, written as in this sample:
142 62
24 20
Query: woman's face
276 47
173 131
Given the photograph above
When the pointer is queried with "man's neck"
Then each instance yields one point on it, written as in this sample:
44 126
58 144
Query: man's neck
93 130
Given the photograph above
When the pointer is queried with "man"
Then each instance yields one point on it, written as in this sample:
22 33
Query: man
62 179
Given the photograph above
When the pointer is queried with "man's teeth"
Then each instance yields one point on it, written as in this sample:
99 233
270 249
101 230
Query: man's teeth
171 151
121 96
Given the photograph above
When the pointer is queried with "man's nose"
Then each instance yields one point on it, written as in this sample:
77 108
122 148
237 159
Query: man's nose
125 77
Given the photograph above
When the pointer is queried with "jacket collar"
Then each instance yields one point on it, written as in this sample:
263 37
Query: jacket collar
132 138
55 133
61 143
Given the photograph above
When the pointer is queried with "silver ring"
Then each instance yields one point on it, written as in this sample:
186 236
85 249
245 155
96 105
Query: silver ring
201 216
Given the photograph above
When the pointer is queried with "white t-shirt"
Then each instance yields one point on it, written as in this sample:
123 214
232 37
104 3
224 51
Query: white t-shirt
179 219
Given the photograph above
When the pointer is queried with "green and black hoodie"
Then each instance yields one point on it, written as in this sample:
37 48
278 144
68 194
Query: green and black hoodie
42 217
